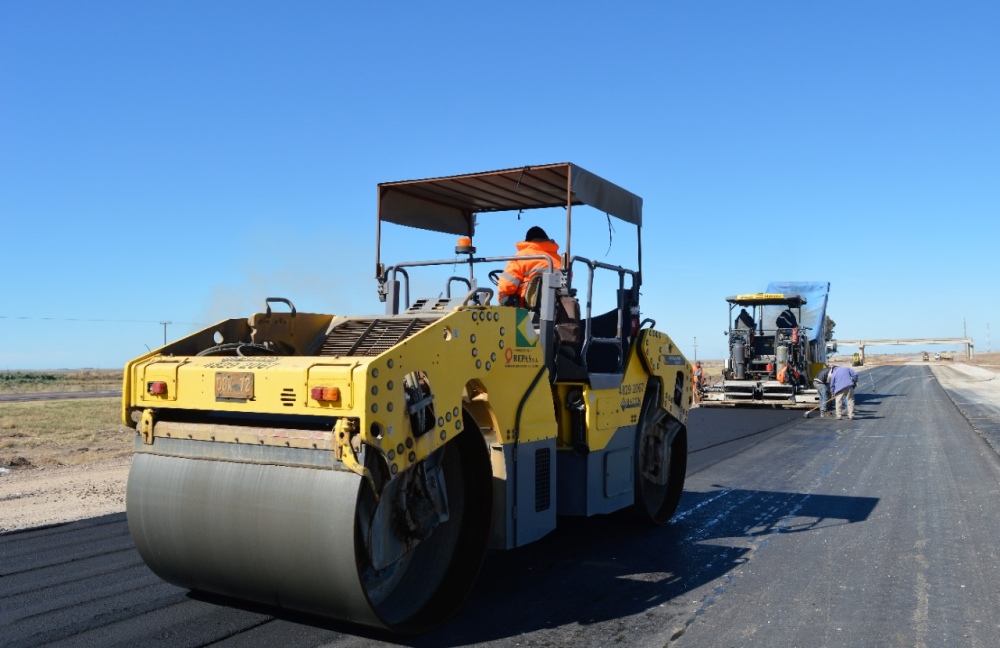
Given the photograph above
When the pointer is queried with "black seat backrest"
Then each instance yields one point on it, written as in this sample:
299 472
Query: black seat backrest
786 320
604 358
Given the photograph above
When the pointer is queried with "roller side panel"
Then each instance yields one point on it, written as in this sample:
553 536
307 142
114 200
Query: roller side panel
600 481
524 506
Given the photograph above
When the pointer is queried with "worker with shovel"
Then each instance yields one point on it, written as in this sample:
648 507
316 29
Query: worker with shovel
842 383
822 384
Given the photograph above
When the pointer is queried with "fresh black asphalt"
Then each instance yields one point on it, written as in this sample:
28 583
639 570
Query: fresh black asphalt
792 532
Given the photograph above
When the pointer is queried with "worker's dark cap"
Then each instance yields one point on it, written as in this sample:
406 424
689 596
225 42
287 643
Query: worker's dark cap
536 233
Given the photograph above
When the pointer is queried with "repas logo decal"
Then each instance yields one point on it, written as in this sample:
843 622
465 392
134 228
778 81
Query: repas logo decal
525 343
519 358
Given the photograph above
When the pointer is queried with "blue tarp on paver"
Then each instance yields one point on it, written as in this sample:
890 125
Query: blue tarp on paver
814 310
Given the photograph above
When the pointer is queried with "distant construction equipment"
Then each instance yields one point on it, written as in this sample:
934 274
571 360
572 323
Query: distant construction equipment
776 346
861 344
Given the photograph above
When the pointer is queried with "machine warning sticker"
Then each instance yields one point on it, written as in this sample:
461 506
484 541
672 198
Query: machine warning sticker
525 330
673 359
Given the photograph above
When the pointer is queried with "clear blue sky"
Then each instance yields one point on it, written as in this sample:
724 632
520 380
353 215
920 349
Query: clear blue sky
181 161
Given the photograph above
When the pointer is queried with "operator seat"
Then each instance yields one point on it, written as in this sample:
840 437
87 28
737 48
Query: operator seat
533 296
744 321
786 320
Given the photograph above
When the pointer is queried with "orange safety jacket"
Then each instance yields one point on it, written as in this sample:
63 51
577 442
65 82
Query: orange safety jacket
787 375
515 277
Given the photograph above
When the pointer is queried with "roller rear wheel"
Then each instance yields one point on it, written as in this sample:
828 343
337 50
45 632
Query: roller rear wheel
661 461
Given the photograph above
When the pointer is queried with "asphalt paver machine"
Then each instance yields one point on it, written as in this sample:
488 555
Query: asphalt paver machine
772 355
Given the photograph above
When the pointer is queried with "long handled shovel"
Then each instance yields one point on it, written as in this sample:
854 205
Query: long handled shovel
828 401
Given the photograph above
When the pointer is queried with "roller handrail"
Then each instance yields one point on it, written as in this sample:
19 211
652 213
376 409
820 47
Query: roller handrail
280 300
390 271
588 340
477 291
447 286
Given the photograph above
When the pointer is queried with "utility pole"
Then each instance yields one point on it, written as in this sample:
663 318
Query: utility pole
696 347
165 332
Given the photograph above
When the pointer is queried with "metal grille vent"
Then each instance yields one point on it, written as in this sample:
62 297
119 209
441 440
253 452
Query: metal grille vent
543 496
288 397
436 304
365 337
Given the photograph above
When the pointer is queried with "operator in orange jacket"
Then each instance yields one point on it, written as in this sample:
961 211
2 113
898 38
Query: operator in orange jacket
514 280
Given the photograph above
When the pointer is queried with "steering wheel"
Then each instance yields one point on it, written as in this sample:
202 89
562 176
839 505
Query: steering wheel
495 276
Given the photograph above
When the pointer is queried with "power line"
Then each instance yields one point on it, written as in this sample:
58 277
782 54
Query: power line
84 319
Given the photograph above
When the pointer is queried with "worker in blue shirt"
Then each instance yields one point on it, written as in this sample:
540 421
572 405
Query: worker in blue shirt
842 383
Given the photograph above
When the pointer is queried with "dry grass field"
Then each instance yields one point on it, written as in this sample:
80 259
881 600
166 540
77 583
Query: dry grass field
987 360
41 434
61 460
45 434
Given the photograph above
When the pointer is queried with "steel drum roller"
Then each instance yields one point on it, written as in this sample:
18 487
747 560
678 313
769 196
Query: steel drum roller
289 536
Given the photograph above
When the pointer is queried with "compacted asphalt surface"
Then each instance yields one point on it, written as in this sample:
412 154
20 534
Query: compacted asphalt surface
881 531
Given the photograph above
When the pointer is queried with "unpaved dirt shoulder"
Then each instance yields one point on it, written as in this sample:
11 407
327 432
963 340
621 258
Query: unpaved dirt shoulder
976 393
31 498
978 381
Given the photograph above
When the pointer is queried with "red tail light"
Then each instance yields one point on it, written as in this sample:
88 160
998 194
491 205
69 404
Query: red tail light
325 393
156 387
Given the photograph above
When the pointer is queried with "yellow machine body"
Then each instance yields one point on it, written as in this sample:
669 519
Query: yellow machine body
473 358
358 467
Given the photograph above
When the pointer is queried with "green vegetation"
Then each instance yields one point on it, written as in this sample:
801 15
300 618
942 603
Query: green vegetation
830 324
60 381
24 378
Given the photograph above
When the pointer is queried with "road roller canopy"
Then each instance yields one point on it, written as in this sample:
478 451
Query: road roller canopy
454 205
450 204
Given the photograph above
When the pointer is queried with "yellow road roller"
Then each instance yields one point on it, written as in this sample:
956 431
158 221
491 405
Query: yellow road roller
359 467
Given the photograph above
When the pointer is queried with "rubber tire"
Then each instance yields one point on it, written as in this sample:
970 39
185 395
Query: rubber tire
656 503
412 609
